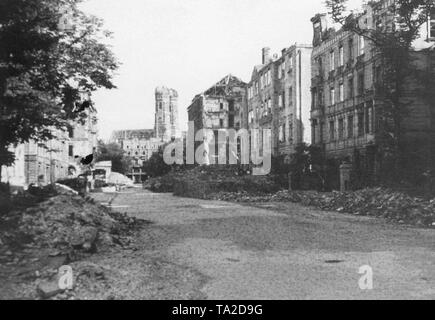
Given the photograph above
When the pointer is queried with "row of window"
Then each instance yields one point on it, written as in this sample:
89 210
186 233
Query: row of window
264 81
345 128
334 62
345 90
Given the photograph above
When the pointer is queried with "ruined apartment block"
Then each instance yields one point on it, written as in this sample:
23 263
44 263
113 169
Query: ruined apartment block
279 99
223 106
347 74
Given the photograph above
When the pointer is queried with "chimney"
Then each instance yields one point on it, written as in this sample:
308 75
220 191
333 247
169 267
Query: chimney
266 55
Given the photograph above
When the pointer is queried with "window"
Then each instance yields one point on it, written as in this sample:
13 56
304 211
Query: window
290 94
221 123
341 92
251 116
340 129
221 106
361 86
290 61
341 55
332 60
350 49
331 130
350 127
281 133
280 101
369 118
361 45
71 151
360 123
351 88
432 24
314 98
378 75
332 94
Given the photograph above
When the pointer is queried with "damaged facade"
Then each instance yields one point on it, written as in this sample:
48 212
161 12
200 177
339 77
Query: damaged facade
139 146
279 99
347 95
223 106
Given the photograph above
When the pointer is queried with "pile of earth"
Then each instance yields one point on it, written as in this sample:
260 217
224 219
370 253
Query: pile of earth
53 228
67 223
377 202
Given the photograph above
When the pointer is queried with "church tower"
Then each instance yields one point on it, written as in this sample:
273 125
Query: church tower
166 125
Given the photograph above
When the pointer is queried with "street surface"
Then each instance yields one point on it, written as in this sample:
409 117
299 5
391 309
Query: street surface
220 250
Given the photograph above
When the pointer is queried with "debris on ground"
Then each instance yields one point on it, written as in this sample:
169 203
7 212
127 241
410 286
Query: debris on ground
378 202
55 230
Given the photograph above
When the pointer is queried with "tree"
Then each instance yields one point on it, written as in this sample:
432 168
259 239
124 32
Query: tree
45 66
392 38
156 166
113 152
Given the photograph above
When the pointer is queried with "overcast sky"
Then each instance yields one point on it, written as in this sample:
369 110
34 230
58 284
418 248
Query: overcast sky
189 45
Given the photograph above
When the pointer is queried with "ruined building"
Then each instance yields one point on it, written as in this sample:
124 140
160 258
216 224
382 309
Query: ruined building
166 124
139 146
222 106
347 93
279 99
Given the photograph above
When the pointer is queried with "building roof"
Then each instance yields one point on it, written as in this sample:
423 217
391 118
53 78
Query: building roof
225 86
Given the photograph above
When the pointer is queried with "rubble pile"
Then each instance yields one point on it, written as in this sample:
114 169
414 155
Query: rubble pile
378 202
57 228
68 224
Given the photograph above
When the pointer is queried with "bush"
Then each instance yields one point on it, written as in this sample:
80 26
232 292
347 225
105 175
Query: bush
202 182
156 166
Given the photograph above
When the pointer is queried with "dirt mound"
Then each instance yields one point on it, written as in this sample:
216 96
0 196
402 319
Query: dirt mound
65 224
378 202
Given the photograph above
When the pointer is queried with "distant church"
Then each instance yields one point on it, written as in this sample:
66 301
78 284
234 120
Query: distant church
141 144
166 127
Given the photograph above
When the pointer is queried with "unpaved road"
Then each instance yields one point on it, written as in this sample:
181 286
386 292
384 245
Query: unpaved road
219 250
